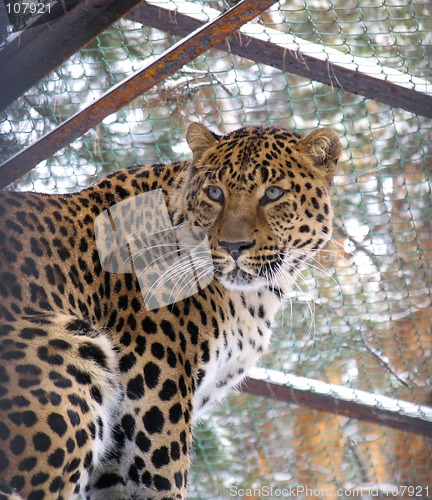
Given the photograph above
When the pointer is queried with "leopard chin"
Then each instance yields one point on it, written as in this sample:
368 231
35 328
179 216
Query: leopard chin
240 280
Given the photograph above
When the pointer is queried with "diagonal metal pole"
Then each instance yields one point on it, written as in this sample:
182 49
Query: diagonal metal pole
205 37
294 61
54 38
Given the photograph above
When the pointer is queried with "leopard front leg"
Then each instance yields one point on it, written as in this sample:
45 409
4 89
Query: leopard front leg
151 457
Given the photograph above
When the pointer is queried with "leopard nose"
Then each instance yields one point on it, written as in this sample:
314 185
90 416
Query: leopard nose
235 248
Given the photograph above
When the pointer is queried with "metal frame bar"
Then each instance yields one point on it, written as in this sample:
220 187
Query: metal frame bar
81 24
54 38
295 62
200 40
359 405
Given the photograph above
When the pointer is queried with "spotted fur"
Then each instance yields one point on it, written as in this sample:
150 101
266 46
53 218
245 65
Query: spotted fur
97 394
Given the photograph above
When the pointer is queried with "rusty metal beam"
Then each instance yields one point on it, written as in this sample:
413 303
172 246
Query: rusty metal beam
49 41
209 35
54 38
333 401
21 53
291 61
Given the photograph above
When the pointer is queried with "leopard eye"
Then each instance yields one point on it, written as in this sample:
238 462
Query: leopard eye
215 193
273 193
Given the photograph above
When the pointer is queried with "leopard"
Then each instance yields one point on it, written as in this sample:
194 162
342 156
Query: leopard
99 392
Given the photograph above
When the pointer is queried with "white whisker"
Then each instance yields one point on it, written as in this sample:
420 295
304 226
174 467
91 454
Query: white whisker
182 275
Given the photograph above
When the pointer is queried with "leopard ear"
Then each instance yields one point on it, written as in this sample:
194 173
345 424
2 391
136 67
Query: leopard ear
324 148
200 138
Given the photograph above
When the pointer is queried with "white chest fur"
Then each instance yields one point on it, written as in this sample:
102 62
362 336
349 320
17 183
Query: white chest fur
236 346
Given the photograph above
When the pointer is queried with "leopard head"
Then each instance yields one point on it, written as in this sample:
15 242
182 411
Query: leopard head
262 194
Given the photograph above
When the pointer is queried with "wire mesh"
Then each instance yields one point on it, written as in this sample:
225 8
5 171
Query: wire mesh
361 313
